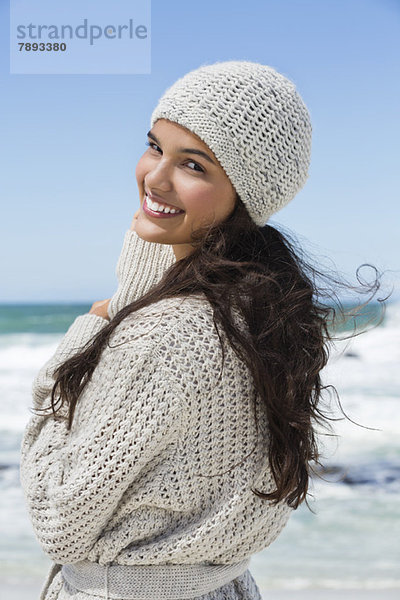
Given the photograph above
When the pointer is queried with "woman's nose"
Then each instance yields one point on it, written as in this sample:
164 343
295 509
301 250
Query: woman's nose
159 177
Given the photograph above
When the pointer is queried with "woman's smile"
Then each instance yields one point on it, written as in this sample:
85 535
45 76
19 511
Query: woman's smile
153 209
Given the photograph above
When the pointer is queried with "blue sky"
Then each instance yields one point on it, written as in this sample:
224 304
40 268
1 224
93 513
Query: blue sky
70 143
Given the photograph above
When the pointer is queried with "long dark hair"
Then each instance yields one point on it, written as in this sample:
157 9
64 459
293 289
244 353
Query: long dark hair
290 309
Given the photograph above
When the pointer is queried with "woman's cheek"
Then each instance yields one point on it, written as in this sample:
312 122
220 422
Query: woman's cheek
140 171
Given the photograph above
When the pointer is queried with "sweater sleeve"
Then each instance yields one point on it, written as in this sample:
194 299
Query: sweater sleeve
73 485
79 333
140 266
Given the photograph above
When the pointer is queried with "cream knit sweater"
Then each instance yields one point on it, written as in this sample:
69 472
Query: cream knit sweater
158 465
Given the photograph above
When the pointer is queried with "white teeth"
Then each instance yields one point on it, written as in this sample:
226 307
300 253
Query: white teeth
160 207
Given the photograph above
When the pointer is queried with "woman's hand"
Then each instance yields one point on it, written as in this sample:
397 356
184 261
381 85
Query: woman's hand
100 307
133 224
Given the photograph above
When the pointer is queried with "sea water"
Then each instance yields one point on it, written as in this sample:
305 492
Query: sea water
350 540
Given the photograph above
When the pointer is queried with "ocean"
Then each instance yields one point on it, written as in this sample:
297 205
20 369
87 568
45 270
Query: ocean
350 540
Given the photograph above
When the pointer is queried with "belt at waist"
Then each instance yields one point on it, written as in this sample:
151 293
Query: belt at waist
147 582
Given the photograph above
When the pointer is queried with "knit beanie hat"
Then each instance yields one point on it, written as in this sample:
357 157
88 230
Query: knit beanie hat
255 123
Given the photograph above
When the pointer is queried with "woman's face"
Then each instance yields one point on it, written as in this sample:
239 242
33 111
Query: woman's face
179 170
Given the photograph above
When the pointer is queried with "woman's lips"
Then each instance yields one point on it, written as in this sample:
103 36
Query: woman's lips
156 214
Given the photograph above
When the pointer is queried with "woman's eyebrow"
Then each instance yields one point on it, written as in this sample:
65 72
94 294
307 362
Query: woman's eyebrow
186 150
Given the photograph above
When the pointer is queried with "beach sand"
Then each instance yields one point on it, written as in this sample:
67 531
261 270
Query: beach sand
31 592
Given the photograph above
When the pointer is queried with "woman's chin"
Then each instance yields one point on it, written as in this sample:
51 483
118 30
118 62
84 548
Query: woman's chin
150 232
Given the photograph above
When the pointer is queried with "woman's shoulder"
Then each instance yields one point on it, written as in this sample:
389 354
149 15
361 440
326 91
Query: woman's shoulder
174 309
179 335
166 316
179 329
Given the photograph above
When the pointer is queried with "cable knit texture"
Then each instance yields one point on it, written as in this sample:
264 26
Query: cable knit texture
161 456
255 122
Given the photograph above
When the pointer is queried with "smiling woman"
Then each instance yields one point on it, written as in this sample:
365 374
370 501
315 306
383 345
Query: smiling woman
187 426
170 177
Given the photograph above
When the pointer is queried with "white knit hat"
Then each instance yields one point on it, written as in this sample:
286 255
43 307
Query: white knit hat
256 124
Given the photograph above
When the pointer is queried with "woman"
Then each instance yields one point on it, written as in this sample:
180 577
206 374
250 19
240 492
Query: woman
184 434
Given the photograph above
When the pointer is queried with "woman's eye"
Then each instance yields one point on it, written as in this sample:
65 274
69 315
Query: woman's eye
199 168
151 144
194 163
